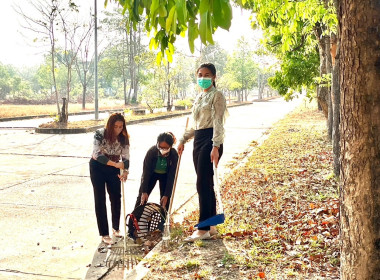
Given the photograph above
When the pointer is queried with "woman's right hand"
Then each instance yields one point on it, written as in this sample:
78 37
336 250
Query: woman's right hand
144 198
180 148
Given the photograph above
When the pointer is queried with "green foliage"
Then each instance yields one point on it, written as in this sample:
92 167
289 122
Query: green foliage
297 71
241 69
290 29
167 19
186 102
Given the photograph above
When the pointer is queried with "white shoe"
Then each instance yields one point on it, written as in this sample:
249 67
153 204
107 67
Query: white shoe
195 236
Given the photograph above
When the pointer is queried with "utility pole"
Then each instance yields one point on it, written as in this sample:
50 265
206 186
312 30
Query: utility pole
96 61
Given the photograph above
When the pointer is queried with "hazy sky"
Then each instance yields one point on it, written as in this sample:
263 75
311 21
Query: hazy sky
18 50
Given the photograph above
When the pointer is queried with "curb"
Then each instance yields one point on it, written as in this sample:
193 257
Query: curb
93 128
51 115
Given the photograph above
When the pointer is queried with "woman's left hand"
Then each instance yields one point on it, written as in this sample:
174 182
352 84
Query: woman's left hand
215 156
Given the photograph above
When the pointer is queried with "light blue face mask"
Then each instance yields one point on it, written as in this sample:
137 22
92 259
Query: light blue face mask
204 82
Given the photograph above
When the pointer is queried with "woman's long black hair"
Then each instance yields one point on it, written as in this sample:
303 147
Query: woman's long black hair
123 137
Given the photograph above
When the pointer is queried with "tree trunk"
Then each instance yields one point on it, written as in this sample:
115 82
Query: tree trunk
335 95
360 139
54 79
260 93
329 93
84 90
322 92
129 93
125 91
169 106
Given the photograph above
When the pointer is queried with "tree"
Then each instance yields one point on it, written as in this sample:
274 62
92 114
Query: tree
243 68
5 81
216 55
299 31
45 25
75 33
84 62
360 139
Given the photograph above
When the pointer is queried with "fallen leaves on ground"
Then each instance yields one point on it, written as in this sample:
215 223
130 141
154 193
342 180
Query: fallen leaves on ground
282 213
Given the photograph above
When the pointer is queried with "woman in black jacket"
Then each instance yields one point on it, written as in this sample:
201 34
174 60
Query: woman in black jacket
160 165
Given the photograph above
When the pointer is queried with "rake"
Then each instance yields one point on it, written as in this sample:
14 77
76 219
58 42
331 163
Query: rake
166 235
125 254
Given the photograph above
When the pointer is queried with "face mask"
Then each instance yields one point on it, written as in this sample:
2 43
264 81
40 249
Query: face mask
163 151
204 83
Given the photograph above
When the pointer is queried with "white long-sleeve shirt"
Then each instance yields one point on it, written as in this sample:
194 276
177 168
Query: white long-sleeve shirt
209 110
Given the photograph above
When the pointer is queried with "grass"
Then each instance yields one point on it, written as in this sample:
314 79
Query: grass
12 110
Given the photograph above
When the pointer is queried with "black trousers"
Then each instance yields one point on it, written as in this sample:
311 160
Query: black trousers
105 177
204 169
162 179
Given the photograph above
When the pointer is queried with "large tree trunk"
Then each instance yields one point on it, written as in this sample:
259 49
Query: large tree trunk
360 139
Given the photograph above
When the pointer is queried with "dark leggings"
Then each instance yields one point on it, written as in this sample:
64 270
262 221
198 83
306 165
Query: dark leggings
102 177
204 169
161 178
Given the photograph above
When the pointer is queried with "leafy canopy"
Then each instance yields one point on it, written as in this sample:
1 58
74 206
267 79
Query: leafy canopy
169 18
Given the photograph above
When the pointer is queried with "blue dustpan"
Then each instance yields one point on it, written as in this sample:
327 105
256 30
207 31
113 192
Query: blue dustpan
213 221
218 218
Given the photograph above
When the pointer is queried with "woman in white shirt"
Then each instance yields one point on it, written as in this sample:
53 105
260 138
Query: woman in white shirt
208 114
110 154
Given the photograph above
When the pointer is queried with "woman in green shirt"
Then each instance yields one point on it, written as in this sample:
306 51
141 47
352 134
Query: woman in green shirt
160 164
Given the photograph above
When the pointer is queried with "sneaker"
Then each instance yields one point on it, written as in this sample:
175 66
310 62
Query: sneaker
116 233
107 239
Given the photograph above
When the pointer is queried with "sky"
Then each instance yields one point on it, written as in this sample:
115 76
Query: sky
17 47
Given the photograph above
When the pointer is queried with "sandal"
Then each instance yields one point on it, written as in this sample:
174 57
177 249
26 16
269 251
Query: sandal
107 239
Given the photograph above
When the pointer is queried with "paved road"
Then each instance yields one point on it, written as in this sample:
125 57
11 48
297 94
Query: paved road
46 202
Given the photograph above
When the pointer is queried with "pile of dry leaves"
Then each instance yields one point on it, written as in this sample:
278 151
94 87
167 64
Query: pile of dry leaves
282 213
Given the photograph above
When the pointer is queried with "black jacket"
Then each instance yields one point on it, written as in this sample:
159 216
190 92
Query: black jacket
150 161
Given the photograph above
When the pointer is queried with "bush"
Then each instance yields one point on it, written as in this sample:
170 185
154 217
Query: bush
185 102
